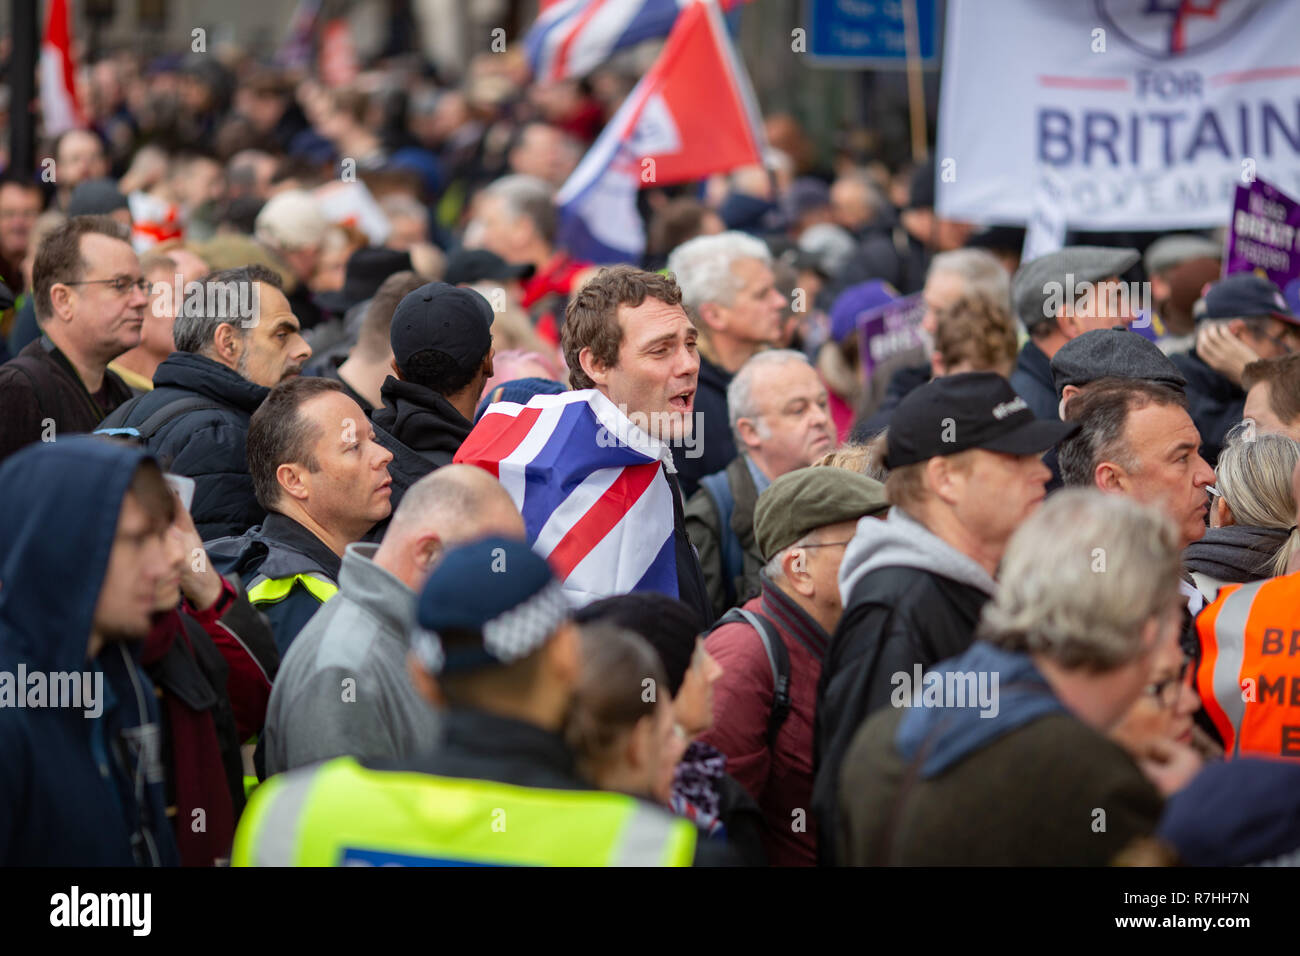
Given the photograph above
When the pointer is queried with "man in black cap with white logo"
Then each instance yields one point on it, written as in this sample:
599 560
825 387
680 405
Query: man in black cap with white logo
965 469
442 357
1245 318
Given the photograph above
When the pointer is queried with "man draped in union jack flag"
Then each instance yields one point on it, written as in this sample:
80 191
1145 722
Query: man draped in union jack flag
592 470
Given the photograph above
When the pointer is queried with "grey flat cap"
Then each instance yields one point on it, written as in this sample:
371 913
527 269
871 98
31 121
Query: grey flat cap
1030 288
1117 352
1169 251
96 197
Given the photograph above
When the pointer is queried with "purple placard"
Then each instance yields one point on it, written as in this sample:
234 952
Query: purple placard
1264 235
889 330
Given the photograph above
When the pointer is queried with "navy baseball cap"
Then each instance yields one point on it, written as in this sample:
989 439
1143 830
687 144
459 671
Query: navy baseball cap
1244 295
443 318
499 598
955 413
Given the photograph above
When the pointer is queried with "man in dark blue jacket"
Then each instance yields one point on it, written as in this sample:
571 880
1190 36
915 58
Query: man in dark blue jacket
82 552
236 338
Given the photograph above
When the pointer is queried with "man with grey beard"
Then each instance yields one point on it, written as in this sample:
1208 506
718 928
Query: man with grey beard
236 338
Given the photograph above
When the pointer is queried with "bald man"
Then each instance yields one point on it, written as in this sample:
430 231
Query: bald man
342 688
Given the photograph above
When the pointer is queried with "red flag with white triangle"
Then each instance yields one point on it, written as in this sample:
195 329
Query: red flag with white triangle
59 106
693 114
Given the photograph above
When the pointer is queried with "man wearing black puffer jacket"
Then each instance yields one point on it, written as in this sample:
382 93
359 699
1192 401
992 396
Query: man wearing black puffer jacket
236 338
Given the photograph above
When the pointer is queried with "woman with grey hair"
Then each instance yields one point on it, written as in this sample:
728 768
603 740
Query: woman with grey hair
1000 756
1252 513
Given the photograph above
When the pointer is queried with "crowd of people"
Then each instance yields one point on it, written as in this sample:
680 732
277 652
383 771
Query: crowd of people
371 525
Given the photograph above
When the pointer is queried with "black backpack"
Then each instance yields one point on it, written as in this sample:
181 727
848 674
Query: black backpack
777 656
114 424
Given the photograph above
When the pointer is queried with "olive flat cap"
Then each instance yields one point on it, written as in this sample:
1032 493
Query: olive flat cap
1119 352
1067 268
809 498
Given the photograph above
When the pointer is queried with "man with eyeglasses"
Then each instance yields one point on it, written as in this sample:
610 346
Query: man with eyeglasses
803 522
779 417
90 296
1245 318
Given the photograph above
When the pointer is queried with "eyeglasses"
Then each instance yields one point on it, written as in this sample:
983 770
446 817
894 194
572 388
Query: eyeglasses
827 544
121 284
1166 691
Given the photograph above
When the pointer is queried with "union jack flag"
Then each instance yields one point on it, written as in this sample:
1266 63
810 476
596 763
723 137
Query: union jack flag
573 37
590 485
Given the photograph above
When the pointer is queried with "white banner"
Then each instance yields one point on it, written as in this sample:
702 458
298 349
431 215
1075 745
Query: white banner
1151 111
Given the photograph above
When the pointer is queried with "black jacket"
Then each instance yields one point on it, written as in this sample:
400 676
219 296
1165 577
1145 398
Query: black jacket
712 447
690 578
42 398
1032 381
478 745
207 444
280 549
894 619
1214 403
422 420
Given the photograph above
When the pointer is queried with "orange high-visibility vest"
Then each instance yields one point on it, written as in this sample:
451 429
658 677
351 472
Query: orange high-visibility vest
1249 674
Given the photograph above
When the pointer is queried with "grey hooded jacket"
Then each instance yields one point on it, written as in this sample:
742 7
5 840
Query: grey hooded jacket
342 688
909 599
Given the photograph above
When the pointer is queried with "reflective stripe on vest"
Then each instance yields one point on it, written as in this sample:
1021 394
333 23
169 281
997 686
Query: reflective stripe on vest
273 590
1249 676
341 813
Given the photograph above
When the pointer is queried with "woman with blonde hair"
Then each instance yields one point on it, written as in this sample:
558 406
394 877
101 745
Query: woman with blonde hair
1252 513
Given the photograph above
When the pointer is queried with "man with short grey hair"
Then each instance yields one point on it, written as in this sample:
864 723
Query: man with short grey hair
236 338
342 689
729 292
780 418
1058 297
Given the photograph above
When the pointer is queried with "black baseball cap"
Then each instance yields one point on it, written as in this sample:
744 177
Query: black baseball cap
467 266
955 413
443 318
1244 295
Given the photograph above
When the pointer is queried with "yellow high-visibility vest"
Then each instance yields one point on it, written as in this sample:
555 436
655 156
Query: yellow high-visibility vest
341 814
273 590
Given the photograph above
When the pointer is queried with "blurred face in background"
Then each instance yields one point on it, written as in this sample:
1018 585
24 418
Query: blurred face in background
1164 709
19 208
80 157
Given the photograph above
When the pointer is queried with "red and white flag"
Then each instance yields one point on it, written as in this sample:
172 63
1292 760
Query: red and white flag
693 114
59 105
